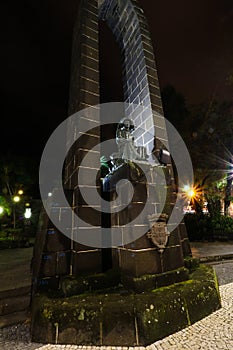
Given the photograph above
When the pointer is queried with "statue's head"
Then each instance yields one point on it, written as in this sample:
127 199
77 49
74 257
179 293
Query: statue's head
126 124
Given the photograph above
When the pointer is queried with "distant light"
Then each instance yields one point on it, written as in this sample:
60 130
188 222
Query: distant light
211 130
1 210
191 193
16 199
20 192
27 213
194 134
50 194
27 205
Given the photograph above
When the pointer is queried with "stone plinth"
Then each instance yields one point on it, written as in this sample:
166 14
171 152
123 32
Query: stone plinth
118 318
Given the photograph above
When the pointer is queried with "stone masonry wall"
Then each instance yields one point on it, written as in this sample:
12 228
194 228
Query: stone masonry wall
141 89
84 93
140 81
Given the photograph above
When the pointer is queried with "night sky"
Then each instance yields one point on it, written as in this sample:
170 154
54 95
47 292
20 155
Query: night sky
193 42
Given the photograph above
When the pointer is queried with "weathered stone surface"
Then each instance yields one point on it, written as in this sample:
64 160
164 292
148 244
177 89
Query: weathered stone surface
152 281
121 318
74 285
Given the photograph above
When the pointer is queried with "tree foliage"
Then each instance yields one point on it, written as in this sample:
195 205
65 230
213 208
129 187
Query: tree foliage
207 129
18 172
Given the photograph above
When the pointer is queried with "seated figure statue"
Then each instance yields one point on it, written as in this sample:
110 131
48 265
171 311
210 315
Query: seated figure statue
127 151
125 140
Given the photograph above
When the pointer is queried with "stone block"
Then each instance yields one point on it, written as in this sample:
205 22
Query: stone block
119 321
89 31
132 212
87 176
88 195
65 217
142 242
186 247
137 263
90 85
182 230
74 285
90 97
172 258
88 140
154 316
161 134
56 323
89 73
63 263
149 57
140 192
88 158
90 215
174 238
206 299
154 281
48 283
87 262
48 265
156 100
56 241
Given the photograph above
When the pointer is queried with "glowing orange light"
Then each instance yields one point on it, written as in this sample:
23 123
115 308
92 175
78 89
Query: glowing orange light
191 193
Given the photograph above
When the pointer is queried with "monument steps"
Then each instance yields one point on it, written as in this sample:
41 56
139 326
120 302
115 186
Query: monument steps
14 306
14 318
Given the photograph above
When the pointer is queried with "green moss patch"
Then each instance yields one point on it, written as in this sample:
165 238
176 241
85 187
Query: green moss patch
73 285
150 282
191 263
118 317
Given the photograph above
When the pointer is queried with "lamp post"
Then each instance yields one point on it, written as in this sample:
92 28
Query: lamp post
16 199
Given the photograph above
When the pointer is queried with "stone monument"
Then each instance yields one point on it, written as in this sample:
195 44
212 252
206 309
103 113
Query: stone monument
92 295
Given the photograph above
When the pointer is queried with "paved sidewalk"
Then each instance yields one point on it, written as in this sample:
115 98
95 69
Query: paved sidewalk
15 268
208 249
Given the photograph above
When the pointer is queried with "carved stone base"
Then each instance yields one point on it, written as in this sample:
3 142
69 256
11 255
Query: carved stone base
120 318
150 282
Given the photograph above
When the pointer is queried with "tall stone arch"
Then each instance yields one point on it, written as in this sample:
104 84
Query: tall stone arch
140 80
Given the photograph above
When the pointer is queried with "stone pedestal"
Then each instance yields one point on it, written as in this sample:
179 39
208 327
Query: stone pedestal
142 257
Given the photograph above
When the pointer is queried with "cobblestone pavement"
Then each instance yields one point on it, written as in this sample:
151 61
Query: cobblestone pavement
215 332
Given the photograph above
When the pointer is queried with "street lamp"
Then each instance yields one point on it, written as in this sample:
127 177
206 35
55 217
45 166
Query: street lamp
16 199
27 213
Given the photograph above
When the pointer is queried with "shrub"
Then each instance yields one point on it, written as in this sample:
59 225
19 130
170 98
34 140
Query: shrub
205 227
222 227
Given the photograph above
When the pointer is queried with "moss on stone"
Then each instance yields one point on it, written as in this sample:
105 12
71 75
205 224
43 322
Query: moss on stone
191 263
125 319
73 285
150 282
